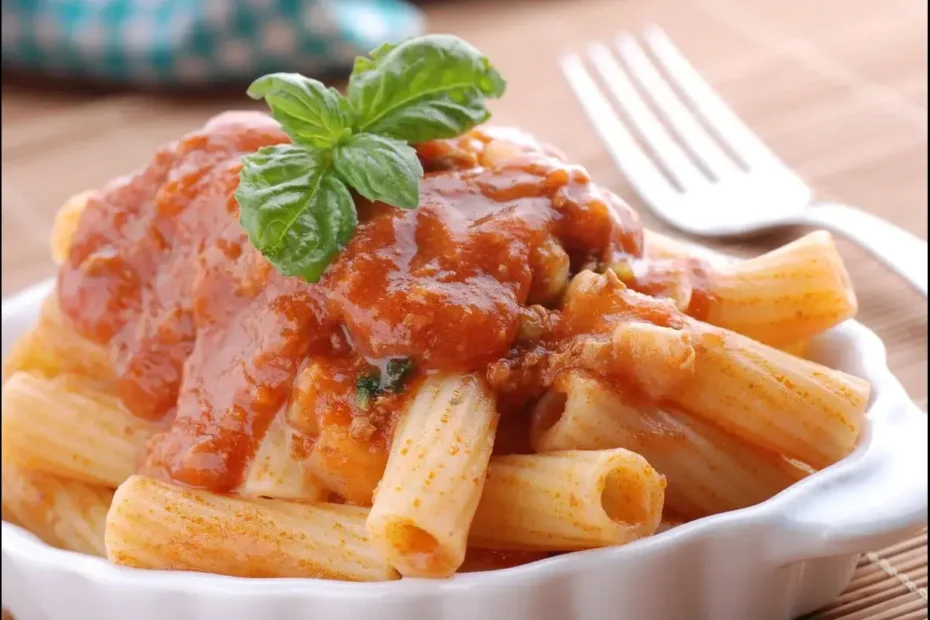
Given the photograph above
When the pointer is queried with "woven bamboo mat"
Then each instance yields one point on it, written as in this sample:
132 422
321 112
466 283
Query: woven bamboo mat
837 87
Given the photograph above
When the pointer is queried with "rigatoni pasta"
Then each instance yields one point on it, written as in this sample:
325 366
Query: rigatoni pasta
572 499
435 474
275 473
156 525
785 296
68 427
708 470
779 298
770 398
52 347
341 463
62 512
344 465
777 401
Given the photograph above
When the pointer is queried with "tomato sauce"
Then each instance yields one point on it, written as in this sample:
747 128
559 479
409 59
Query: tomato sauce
686 281
209 339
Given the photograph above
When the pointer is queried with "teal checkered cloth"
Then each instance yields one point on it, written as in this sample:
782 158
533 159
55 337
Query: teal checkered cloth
183 42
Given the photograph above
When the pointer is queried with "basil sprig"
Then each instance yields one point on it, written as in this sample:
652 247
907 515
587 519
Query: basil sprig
294 199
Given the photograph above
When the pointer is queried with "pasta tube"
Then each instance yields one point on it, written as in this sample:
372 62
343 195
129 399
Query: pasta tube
62 513
568 500
275 473
68 427
435 473
161 526
708 470
349 466
797 349
53 347
344 465
658 359
776 401
785 296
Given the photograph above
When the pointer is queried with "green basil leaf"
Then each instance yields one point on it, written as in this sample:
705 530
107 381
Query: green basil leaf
380 169
308 112
294 199
296 211
422 89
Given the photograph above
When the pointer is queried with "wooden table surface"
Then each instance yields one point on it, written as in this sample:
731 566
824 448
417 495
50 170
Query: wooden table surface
838 88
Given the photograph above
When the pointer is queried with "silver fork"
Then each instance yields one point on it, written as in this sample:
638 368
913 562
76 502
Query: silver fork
714 177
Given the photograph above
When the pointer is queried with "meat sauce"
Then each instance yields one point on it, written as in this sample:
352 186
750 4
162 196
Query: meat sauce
209 339
686 281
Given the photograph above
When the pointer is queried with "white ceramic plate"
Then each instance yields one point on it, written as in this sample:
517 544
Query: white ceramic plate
785 557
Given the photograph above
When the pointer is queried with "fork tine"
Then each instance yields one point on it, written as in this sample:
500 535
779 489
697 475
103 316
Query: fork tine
718 114
643 175
686 126
670 155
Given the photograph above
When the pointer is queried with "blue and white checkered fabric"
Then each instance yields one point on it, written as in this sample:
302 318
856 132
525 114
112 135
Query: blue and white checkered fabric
197 41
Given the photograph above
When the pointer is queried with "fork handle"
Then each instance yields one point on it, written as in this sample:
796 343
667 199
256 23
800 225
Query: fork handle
900 250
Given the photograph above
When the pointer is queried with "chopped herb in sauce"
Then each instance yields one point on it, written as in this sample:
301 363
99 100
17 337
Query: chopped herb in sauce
396 374
366 388
373 383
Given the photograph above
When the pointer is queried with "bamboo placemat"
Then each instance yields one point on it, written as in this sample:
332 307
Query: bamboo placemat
837 87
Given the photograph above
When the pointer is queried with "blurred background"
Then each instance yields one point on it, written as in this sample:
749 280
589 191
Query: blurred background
838 88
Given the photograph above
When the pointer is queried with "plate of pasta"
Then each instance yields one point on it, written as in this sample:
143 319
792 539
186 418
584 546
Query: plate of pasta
371 356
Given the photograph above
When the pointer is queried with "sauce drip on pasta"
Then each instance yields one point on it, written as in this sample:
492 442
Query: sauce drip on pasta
207 337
